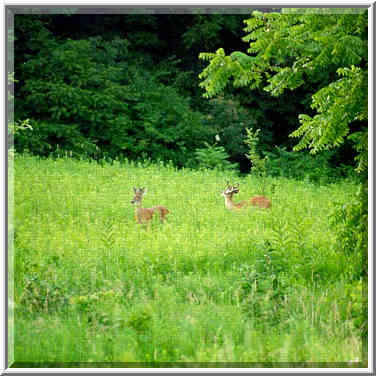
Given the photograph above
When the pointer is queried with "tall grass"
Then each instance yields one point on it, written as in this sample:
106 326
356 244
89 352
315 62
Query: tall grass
209 285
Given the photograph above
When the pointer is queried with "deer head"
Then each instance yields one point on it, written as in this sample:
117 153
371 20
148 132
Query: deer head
230 189
138 194
259 201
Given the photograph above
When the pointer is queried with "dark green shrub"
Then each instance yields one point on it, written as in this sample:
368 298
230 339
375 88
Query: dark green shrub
113 101
301 165
228 119
213 156
55 139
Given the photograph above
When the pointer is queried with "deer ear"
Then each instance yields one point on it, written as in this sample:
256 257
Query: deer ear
144 190
135 189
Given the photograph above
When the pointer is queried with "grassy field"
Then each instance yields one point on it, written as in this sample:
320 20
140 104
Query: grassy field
209 285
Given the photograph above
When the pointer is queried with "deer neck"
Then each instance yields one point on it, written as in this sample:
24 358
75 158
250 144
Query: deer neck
138 206
229 203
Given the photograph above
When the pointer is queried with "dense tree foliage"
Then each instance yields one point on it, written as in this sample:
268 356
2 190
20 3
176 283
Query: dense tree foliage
93 87
96 85
329 51
127 85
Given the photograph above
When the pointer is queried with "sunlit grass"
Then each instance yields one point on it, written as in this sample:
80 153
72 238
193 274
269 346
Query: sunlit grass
209 285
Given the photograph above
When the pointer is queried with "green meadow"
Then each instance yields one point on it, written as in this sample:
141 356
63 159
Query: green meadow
208 286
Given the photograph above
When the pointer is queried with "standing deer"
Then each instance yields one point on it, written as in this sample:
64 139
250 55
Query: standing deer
259 201
144 215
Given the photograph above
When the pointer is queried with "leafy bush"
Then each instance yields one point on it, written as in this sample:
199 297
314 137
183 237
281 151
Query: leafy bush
21 125
213 156
55 139
329 53
258 168
301 165
351 223
228 119
113 101
40 296
264 285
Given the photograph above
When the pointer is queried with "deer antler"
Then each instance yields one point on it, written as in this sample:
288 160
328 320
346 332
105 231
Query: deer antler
235 188
232 188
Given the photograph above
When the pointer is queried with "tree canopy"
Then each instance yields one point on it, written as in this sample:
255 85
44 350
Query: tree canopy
127 85
288 50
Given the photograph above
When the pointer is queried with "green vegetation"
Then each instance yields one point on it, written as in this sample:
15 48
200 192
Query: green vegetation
324 54
102 103
290 50
215 157
112 105
118 94
127 86
258 168
210 285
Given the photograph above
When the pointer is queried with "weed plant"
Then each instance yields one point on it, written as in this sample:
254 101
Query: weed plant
209 285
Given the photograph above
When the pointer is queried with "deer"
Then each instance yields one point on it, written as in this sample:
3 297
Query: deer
144 215
258 201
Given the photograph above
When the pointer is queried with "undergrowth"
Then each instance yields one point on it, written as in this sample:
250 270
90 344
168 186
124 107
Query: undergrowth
210 285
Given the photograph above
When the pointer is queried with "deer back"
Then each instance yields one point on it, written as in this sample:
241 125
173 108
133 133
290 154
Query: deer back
261 202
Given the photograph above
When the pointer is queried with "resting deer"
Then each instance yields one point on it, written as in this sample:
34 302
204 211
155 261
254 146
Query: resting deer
144 215
259 201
